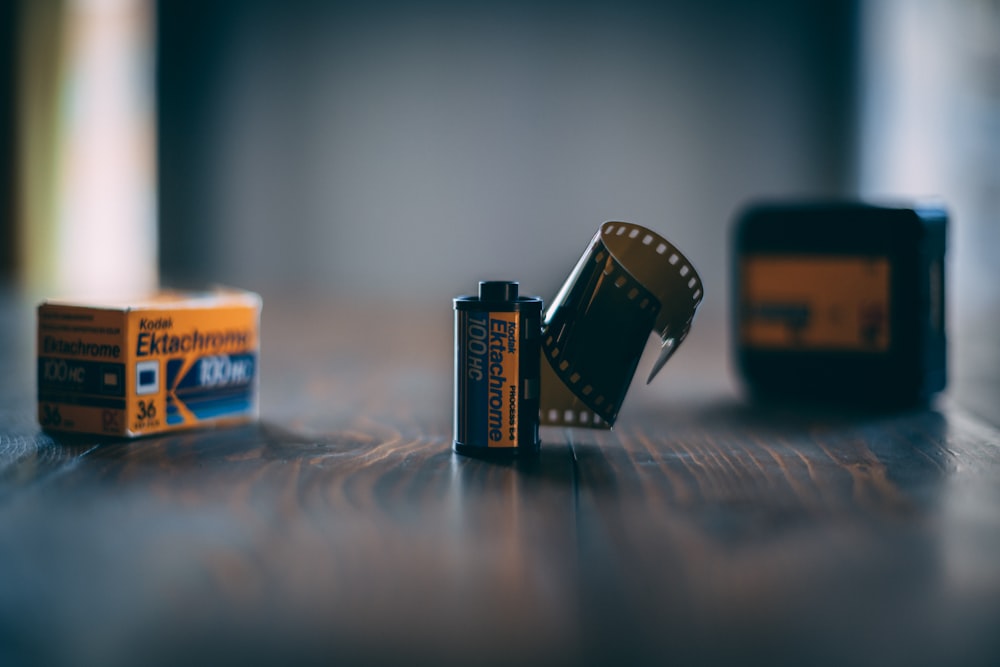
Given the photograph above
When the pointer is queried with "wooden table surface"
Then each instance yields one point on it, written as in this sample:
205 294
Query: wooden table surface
341 529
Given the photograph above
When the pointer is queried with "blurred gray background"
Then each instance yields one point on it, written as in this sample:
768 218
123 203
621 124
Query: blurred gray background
399 150
408 150
414 149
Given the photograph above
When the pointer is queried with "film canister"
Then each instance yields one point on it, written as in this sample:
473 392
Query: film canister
841 302
497 369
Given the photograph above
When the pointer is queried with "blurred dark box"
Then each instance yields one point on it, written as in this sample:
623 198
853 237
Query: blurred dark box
840 302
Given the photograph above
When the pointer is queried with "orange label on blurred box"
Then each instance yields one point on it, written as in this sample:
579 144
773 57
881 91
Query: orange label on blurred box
173 360
804 302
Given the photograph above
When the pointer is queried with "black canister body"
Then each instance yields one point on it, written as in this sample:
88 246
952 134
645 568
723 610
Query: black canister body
841 302
497 368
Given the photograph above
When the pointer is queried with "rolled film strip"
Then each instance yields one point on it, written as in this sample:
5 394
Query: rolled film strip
629 283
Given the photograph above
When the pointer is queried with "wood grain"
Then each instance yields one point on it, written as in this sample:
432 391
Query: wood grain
341 528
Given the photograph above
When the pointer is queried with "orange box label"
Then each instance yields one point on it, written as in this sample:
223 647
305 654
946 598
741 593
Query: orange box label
174 360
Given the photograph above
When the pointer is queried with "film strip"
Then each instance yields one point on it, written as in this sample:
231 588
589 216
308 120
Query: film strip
629 283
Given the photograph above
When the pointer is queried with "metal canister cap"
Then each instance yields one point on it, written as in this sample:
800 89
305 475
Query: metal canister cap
498 290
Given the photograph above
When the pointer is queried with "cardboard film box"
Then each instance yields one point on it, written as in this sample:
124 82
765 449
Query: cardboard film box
172 360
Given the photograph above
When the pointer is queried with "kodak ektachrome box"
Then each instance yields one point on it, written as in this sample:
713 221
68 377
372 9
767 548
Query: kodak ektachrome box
172 360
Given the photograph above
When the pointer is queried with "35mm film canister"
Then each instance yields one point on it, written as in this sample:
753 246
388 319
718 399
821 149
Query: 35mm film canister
497 368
